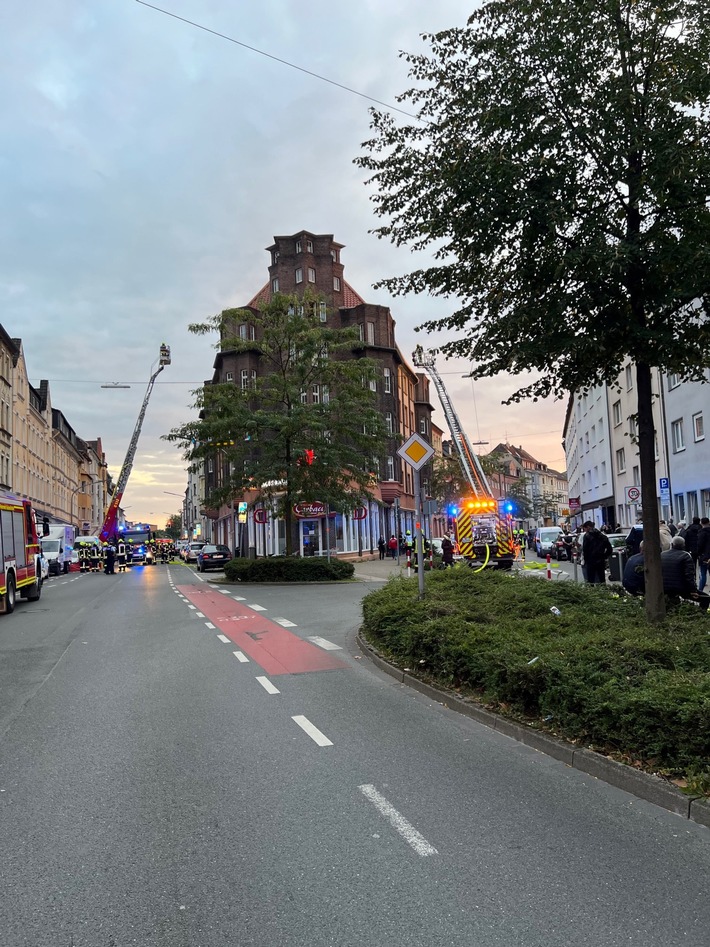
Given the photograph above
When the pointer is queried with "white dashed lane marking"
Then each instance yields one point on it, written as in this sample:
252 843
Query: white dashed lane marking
210 625
257 608
313 732
224 638
268 686
324 643
241 657
285 622
398 822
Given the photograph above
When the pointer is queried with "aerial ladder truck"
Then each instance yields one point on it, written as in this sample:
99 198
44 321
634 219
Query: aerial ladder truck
109 528
484 536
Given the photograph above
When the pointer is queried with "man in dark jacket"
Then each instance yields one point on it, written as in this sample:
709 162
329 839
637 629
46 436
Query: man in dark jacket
703 550
678 570
596 548
690 535
634 580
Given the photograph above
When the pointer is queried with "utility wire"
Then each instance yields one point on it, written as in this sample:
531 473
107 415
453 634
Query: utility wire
284 62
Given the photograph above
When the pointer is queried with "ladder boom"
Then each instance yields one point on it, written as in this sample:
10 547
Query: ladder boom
109 525
470 463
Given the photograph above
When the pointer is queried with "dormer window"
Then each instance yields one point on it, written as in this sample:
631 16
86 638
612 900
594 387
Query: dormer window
309 246
299 248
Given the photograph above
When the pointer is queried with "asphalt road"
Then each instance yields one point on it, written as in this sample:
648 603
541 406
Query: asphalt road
157 788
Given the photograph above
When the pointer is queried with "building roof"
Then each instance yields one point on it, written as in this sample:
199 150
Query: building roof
350 297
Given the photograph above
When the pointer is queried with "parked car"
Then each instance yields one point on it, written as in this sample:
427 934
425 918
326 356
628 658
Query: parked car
44 567
190 553
545 539
212 557
633 539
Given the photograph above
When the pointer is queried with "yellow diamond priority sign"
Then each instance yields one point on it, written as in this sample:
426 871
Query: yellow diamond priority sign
415 451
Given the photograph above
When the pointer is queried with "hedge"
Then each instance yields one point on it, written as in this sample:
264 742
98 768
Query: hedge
597 673
288 569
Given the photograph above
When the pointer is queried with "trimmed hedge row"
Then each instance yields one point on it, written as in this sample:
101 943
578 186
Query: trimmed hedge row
288 569
597 673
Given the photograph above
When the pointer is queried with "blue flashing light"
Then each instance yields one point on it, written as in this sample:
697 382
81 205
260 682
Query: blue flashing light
453 510
508 507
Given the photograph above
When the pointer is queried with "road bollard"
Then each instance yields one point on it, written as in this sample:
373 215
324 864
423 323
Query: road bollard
549 570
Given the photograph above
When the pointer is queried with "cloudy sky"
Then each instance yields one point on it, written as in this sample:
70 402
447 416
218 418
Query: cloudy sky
146 164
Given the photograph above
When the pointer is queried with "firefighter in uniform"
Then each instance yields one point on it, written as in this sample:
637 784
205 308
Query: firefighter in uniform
84 562
121 556
95 557
522 539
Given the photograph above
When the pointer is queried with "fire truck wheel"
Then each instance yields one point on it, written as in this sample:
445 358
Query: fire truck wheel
34 591
10 594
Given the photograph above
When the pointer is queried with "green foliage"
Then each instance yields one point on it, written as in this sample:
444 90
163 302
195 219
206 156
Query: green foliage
308 389
288 569
598 672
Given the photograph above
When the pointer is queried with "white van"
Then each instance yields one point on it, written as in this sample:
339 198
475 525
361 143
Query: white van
545 539
58 549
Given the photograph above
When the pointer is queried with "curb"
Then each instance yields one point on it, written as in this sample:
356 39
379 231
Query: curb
642 785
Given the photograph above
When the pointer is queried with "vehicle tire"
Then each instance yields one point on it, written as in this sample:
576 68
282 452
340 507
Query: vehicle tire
10 594
35 591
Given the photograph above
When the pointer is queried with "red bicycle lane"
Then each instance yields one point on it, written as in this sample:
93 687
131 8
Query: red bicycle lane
276 649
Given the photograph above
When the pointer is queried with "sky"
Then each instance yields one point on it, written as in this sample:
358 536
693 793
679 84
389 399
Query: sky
145 165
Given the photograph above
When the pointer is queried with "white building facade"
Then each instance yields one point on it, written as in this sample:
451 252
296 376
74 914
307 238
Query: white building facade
686 404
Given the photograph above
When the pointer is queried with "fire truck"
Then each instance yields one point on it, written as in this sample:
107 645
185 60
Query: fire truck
484 537
109 529
19 552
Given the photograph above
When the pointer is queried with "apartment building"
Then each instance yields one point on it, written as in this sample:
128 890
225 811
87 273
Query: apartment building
298 262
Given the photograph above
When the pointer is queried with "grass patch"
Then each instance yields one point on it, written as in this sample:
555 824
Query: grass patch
596 674
288 569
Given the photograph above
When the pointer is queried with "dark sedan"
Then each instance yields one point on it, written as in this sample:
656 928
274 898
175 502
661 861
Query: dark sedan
212 557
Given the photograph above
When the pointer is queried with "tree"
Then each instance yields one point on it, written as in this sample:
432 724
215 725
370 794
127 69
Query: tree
560 169
447 484
305 427
173 527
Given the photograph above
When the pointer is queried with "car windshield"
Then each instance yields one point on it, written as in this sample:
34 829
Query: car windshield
50 545
550 533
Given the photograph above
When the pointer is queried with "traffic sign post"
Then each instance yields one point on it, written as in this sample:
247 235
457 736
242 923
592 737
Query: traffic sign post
416 452
633 494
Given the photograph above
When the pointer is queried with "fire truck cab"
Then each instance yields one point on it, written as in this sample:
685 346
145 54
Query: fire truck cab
484 537
19 552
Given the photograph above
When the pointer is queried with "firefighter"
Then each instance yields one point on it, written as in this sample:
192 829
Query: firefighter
522 540
164 553
110 559
121 555
84 561
95 557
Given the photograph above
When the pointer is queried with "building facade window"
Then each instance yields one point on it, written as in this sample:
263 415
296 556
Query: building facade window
390 468
315 393
336 284
616 413
334 255
388 381
673 381
698 427
323 311
370 333
389 423
309 246
325 394
311 274
677 436
299 246
629 377
275 285
230 376
373 385
299 274
245 379
621 460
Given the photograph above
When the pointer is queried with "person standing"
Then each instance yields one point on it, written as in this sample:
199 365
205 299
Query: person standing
393 546
121 555
110 560
596 548
691 535
703 551
447 552
665 536
382 547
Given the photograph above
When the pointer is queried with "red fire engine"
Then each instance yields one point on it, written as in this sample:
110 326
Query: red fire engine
20 553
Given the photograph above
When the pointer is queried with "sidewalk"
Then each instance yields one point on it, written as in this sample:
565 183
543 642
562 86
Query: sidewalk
372 569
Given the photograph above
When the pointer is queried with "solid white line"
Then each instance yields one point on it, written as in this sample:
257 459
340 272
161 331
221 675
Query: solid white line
257 608
398 822
268 686
199 614
209 624
285 622
240 656
224 638
313 732
324 643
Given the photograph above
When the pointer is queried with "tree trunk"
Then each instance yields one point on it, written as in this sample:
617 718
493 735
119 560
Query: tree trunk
655 601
